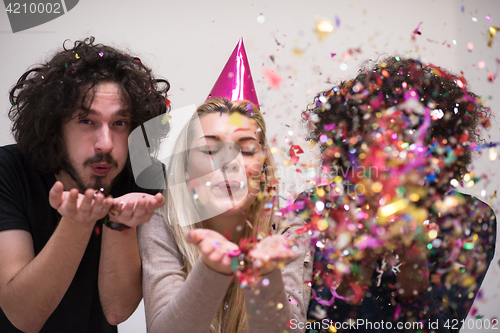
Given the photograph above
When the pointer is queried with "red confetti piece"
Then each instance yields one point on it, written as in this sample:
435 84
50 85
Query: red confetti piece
294 158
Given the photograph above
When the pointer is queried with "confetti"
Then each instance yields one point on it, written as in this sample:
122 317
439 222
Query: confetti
165 119
273 79
386 173
235 119
295 149
323 28
492 31
417 31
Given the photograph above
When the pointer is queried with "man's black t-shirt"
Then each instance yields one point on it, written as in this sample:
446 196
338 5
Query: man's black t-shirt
24 204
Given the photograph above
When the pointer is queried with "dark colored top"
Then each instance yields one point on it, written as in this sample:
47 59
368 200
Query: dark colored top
24 204
441 308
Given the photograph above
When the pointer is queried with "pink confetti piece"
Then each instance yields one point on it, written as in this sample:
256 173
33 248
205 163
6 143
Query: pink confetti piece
416 31
273 79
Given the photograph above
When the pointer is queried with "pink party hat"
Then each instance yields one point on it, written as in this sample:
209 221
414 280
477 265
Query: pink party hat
235 82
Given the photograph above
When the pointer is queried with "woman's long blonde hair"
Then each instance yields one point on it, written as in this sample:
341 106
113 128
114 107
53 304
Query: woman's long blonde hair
231 316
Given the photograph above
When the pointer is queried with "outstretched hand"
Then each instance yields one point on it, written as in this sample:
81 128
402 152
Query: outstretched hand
273 251
214 249
133 209
268 254
79 208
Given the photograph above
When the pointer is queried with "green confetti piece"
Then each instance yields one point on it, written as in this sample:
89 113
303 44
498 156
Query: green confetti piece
468 246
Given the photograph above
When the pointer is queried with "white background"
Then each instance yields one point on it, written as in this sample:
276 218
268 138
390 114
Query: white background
188 43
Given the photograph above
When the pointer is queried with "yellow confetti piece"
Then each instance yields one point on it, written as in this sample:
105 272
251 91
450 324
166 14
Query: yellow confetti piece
436 72
393 207
377 187
165 119
414 197
77 56
432 234
236 119
322 224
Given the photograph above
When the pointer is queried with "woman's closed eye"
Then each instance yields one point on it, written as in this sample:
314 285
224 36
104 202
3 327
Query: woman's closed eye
209 152
249 152
250 149
209 149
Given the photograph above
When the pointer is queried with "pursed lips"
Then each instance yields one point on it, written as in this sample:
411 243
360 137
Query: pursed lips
232 185
101 169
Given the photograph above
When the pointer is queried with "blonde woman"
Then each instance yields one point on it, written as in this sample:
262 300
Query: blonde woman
218 196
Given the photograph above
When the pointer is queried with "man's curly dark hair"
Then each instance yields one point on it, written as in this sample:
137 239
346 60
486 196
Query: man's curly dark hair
384 86
46 96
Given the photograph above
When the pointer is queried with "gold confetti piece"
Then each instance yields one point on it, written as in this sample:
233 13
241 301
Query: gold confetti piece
493 197
492 31
332 329
323 28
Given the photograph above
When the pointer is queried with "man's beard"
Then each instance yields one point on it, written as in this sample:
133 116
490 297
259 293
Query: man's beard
97 180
